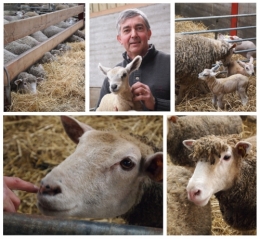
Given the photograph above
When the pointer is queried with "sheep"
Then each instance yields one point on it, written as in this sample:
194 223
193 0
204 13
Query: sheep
226 167
221 86
120 98
17 48
193 54
244 45
39 36
25 83
240 67
47 58
8 56
28 40
51 31
37 70
110 174
181 128
183 216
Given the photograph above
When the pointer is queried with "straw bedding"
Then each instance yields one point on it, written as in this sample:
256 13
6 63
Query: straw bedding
33 145
64 88
195 101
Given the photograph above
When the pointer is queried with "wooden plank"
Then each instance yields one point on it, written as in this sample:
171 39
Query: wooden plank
95 7
118 9
18 29
28 58
102 6
94 93
111 5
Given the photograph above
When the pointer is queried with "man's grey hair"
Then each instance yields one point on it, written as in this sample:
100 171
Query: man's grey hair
129 13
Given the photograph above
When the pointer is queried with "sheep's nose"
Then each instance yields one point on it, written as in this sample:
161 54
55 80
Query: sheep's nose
48 189
114 87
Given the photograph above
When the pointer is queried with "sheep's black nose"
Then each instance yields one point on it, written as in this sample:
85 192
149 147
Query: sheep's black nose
114 87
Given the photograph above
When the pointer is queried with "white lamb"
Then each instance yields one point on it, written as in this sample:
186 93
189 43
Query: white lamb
221 86
244 68
121 97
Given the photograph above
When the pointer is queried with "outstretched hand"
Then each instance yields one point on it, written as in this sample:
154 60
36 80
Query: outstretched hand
11 201
143 93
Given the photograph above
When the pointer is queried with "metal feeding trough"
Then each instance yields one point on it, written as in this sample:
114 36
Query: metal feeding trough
24 224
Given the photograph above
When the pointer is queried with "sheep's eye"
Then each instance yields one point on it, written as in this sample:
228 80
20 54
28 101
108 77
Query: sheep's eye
227 157
205 74
127 164
123 76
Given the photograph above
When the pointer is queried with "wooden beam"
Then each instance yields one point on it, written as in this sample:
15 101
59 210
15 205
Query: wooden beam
118 9
18 29
28 58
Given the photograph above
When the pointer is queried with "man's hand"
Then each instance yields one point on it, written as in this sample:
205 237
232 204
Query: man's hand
142 92
11 201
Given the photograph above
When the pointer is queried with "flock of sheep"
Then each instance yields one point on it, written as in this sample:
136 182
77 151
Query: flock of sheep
26 82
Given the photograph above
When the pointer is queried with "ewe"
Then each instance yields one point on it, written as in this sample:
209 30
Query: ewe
110 174
226 167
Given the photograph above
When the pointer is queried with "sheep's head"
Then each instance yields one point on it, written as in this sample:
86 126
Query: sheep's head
118 76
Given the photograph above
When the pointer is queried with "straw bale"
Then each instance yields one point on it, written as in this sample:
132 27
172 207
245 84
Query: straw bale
64 88
195 101
33 145
219 226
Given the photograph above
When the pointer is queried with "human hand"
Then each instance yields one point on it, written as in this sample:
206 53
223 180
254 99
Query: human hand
11 201
142 92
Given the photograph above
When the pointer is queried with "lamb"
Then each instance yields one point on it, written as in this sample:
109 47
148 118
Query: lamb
221 86
244 45
187 127
226 167
110 174
240 67
183 216
25 83
120 98
193 54
47 58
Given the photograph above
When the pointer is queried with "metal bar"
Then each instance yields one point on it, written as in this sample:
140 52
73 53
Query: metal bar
24 224
217 30
248 50
213 17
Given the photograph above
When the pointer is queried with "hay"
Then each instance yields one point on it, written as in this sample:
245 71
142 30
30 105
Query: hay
33 145
219 226
64 88
195 101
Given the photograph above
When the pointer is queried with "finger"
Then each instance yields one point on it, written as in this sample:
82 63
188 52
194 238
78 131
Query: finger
19 184
11 201
8 206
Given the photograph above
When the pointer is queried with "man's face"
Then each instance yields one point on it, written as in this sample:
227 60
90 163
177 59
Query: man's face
134 36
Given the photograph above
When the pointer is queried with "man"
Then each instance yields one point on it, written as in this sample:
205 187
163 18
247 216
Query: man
150 84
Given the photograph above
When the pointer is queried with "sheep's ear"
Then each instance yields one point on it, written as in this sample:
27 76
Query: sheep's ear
74 128
134 64
18 81
232 46
104 69
241 63
153 166
251 60
243 148
188 143
173 118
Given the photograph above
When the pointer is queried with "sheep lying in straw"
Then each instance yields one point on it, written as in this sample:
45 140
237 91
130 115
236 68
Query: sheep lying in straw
194 53
226 167
194 127
221 86
121 97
